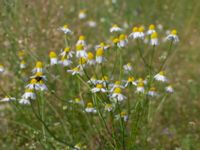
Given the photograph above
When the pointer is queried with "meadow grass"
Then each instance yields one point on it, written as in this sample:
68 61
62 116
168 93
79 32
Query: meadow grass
52 122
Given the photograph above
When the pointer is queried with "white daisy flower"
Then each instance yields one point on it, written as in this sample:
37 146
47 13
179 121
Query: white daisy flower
77 101
39 76
169 89
173 36
140 87
117 95
92 23
93 81
1 68
117 84
108 107
22 64
152 92
81 41
123 41
128 67
82 14
161 77
66 30
90 58
99 55
90 108
122 115
98 88
53 58
67 52
115 28
76 70
130 81
29 94
102 45
65 61
137 33
38 67
8 99
80 51
151 29
154 39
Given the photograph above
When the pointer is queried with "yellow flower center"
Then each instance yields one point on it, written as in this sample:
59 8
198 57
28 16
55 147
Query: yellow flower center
131 79
89 105
33 81
135 29
21 53
105 78
140 84
90 56
115 26
152 27
123 113
52 55
117 82
102 44
67 49
76 69
99 86
117 90
29 90
81 37
77 100
115 40
79 47
162 73
174 32
23 62
122 37
39 64
107 106
99 52
65 26
141 29
82 60
38 74
154 35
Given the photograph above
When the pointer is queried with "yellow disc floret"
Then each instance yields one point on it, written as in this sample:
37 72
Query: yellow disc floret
154 35
52 54
117 90
99 52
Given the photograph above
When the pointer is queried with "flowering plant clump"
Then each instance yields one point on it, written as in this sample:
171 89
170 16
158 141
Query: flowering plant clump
105 94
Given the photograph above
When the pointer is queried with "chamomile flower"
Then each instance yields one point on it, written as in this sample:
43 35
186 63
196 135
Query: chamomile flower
123 41
24 101
90 108
22 64
29 94
108 107
90 58
8 99
67 52
77 101
102 45
66 30
81 41
152 92
21 54
82 14
128 67
80 51
38 67
130 81
117 95
173 36
39 76
115 28
32 84
137 33
117 84
65 61
98 88
53 58
161 77
99 55
151 29
2 68
93 80
154 39
75 71
104 80
92 23
140 87
123 114
169 89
